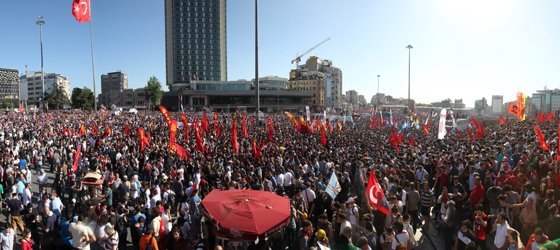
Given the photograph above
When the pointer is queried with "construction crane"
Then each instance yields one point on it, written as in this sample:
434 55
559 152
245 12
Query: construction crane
298 58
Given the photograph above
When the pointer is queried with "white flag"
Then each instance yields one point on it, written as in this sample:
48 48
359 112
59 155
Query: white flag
441 129
333 188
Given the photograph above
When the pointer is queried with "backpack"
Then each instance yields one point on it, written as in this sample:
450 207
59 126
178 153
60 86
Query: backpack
150 246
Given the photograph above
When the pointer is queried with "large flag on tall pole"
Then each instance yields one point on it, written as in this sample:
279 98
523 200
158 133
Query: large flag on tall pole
333 188
81 10
441 129
375 195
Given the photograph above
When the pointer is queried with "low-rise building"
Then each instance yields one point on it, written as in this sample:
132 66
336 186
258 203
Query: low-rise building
9 85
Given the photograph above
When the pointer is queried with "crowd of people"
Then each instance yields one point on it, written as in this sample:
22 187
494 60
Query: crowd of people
500 191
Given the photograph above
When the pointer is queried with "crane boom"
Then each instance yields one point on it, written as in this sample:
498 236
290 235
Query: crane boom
298 58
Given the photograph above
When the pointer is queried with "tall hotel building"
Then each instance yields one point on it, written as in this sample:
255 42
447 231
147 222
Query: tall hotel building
195 41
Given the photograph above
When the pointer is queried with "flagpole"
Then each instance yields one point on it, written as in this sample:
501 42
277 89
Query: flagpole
92 61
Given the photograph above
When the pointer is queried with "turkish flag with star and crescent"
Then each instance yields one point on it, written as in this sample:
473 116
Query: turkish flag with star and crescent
375 195
81 11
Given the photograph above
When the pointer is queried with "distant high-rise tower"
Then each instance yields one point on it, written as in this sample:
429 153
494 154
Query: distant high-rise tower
195 41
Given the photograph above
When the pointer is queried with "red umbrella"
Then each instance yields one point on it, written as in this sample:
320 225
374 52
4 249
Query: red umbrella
246 214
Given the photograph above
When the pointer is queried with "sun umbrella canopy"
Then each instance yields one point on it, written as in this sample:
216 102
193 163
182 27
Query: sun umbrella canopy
246 214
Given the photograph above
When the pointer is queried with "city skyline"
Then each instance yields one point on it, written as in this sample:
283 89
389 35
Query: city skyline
461 50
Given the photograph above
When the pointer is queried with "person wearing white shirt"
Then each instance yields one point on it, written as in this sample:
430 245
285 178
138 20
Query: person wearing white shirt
280 179
502 231
26 195
401 236
308 196
288 179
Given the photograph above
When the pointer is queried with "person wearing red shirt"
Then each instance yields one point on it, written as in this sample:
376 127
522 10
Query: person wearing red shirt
26 242
477 194
479 226
536 239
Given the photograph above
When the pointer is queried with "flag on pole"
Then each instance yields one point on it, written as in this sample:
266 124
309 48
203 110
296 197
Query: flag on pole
270 129
540 136
502 122
375 195
126 130
308 113
186 125
244 126
558 152
234 142
81 10
165 114
452 118
76 158
333 188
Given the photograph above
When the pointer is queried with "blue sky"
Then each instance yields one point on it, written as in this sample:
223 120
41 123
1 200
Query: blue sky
469 49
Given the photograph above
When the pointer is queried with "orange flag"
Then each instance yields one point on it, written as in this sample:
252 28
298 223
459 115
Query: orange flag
172 132
186 125
144 141
83 130
426 129
76 159
540 136
107 131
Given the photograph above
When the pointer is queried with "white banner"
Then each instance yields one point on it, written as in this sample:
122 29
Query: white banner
441 129
308 113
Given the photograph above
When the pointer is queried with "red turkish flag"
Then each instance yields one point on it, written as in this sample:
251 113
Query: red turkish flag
375 195
502 122
81 10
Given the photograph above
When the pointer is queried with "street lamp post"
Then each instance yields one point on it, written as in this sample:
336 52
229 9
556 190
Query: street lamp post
41 22
409 47
257 87
378 84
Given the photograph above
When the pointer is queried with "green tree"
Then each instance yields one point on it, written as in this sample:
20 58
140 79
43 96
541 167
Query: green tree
57 98
153 92
82 98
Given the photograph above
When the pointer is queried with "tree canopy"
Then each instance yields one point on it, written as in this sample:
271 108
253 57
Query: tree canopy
153 91
82 98
57 98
